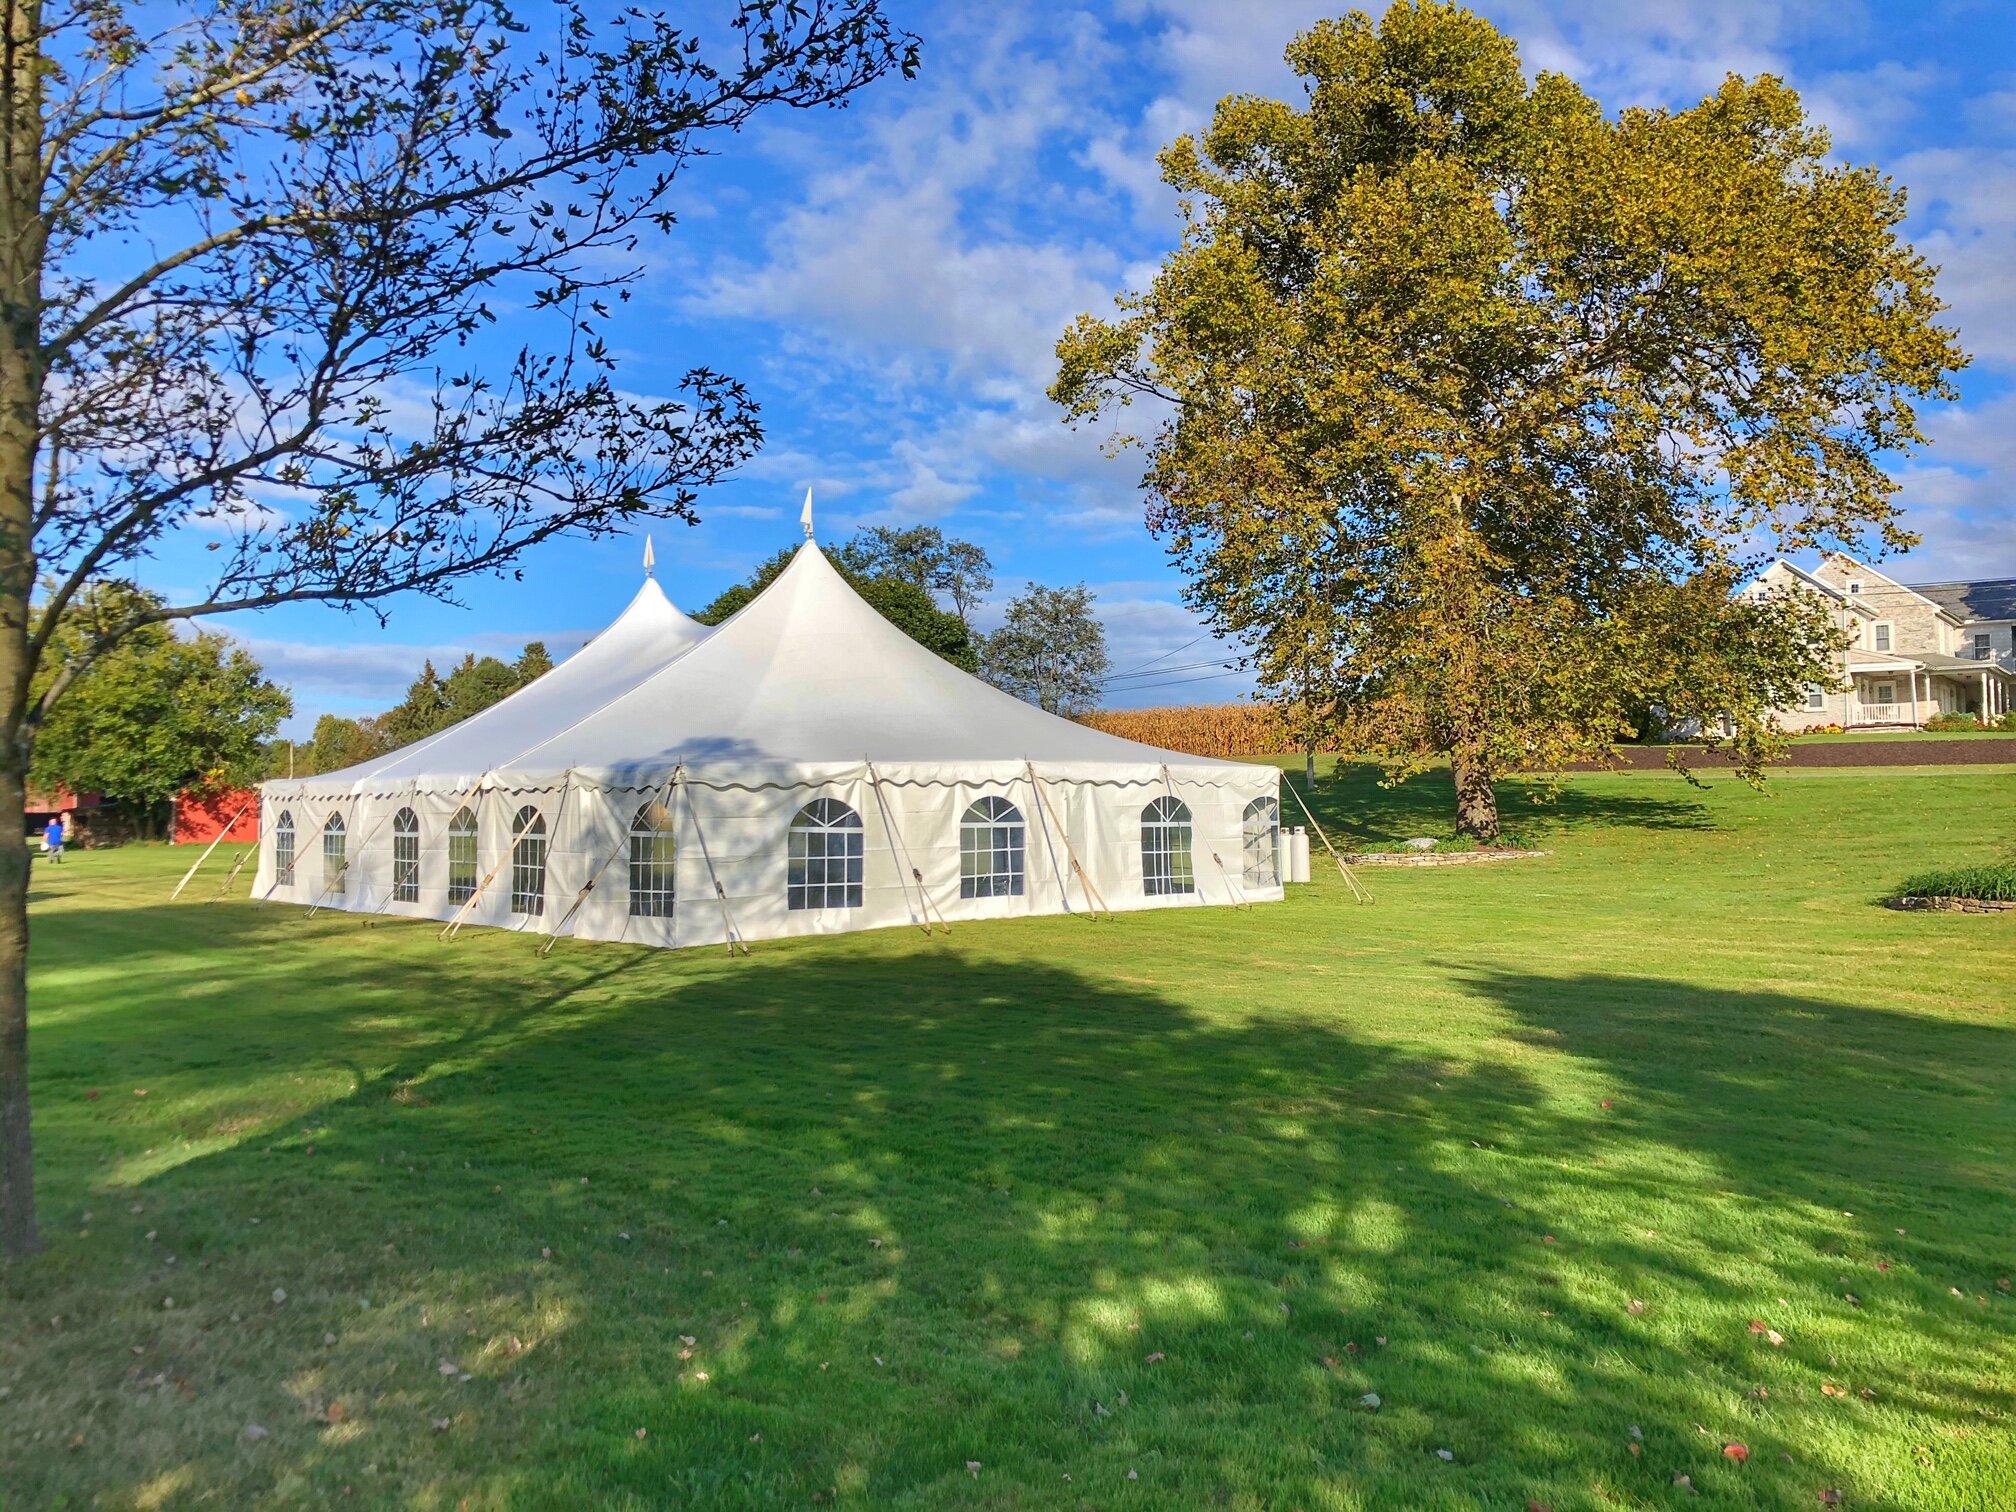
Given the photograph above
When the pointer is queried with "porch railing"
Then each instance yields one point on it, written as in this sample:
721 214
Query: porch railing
1879 713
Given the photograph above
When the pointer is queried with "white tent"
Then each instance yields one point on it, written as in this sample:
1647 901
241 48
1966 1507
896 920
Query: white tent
806 768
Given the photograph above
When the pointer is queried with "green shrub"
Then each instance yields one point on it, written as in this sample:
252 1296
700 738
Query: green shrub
1995 880
1953 721
2007 721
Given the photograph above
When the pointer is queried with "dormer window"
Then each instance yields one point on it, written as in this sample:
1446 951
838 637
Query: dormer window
1854 587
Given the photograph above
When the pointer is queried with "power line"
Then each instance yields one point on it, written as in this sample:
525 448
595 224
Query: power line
1165 671
1179 682
1154 659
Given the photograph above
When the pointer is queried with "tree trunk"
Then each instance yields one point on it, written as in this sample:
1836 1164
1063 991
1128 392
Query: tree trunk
18 1236
22 241
1476 798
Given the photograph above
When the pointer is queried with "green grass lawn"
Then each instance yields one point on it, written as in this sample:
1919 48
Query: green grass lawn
1056 1214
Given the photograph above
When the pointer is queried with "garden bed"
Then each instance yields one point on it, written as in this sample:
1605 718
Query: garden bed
1949 904
1437 858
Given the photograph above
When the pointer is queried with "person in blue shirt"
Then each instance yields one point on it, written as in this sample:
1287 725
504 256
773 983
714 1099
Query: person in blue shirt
52 839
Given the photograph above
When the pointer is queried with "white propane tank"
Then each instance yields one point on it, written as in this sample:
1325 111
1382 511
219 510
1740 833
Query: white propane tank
1298 854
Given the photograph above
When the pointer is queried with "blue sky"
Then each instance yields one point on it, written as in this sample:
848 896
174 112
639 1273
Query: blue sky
890 281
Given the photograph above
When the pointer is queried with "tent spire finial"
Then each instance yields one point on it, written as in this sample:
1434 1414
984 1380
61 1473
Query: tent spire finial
650 560
805 514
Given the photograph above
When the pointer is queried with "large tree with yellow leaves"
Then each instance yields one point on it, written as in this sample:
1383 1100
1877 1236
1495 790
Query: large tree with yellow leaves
1470 404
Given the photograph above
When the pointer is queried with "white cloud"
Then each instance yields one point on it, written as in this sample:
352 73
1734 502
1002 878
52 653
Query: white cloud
1958 494
1963 215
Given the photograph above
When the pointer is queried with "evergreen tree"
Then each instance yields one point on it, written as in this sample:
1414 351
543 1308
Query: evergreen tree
533 662
423 710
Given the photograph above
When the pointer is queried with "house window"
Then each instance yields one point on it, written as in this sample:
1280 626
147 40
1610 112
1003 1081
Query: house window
1854 587
333 865
990 850
1981 643
528 863
1886 693
1165 849
461 856
1882 633
1261 843
405 857
825 857
653 862
283 850
1816 697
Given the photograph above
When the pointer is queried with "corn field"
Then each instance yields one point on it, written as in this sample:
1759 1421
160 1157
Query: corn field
1231 729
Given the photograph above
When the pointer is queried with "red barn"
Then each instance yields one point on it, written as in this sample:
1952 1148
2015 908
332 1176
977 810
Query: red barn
202 817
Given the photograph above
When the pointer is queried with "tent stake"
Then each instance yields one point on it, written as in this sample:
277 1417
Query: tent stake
896 845
1084 881
731 936
1344 871
454 926
232 875
186 876
553 938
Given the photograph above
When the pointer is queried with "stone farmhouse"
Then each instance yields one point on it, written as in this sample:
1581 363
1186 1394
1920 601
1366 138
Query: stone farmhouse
1914 650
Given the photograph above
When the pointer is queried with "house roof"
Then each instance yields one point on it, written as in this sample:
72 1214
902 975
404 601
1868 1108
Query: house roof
1817 585
1938 661
1986 599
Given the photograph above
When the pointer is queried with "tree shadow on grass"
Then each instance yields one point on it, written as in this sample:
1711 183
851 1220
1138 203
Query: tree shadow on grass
1352 806
918 1207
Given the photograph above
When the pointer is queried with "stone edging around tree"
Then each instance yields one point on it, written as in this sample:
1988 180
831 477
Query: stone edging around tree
1951 905
1436 858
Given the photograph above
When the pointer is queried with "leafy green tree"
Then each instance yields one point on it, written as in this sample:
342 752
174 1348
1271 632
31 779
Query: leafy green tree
341 742
922 554
234 235
1050 651
898 600
157 714
1473 404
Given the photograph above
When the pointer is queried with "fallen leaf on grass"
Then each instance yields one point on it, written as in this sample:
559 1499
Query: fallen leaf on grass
335 1412
1156 1358
1685 1483
1737 1452
1828 1388
1370 1400
1445 1455
1635 1306
254 1433
1636 1450
1539 1506
641 1432
1831 1497
973 1468
441 1424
